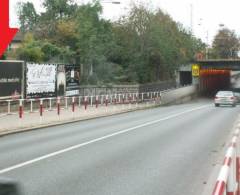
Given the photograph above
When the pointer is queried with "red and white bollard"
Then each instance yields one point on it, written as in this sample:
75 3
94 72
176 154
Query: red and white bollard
228 179
41 108
106 100
102 100
85 102
58 106
73 104
21 109
97 101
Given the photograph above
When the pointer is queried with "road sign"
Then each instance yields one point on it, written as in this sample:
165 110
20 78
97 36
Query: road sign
195 70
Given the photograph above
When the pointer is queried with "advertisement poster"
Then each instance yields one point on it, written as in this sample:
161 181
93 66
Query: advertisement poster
11 79
61 80
41 80
72 79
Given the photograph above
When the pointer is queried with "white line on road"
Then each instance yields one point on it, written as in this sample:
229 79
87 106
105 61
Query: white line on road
97 140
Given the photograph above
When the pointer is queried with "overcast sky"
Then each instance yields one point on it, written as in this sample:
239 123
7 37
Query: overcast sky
207 14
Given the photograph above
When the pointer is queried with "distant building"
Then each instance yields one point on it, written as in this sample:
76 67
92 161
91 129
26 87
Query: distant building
14 45
16 42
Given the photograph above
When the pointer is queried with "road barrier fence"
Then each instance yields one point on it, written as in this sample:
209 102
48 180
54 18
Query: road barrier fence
41 105
58 103
228 179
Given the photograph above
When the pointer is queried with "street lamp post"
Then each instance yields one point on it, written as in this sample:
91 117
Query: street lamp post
207 39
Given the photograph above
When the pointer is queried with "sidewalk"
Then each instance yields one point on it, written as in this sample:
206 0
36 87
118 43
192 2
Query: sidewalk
12 123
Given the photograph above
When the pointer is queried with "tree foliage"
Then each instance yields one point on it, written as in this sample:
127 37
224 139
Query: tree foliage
27 16
145 46
226 44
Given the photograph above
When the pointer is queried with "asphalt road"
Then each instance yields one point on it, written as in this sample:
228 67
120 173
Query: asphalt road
162 151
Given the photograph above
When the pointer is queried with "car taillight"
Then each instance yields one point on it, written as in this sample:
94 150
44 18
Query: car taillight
232 98
216 97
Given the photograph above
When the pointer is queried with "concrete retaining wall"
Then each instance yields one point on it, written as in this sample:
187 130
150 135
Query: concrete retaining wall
138 88
179 95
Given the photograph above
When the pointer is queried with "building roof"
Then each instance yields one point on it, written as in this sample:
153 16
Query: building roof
19 37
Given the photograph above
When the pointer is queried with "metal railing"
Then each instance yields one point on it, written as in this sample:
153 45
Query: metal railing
19 106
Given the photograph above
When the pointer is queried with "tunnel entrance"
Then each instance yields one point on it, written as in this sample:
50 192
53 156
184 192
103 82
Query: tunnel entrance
213 80
218 74
185 78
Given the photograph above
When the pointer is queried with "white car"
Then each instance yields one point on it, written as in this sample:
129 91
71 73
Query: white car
225 98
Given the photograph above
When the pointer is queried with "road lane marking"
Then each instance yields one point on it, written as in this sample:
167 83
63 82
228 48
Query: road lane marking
97 140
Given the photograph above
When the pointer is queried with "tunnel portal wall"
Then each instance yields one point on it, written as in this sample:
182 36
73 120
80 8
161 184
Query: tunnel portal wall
212 81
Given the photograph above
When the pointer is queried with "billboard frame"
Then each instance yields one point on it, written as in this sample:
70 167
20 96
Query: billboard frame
22 94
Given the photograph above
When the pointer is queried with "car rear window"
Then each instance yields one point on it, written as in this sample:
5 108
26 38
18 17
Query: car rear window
225 93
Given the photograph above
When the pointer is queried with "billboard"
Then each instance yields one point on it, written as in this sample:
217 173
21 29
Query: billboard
72 73
40 80
11 78
61 80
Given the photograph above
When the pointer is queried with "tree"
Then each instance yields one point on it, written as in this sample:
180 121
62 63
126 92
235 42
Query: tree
27 16
30 50
58 9
42 51
151 45
144 46
95 44
226 44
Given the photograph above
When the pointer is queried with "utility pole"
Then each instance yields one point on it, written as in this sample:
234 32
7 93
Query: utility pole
191 17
